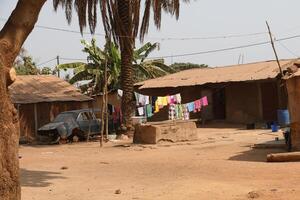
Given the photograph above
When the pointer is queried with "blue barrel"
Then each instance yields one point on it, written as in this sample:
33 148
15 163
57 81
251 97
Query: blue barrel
274 127
283 117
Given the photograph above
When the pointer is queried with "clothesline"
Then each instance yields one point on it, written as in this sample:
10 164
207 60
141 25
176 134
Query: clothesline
176 109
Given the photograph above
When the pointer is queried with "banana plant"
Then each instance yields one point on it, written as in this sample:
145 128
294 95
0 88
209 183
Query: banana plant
97 58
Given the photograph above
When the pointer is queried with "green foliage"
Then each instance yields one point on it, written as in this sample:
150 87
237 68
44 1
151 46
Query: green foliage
184 66
26 66
46 71
147 69
97 58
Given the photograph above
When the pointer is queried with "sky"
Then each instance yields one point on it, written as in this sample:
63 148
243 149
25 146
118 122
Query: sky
199 23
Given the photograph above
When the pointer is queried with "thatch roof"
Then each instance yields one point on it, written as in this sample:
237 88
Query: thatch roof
235 73
44 88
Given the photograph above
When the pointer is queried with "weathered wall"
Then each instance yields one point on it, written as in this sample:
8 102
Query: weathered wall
243 104
293 87
177 131
46 112
113 99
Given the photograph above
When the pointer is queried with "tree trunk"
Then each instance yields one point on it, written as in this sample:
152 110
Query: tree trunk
126 46
293 88
12 37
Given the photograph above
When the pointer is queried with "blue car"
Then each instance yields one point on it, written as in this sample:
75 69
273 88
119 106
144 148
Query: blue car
69 125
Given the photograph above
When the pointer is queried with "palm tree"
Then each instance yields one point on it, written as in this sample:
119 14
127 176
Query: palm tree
147 69
121 18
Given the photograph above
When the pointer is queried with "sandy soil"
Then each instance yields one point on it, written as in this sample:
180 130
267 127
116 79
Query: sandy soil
221 165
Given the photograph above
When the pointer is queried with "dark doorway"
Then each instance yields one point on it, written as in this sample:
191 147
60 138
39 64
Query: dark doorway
269 95
219 103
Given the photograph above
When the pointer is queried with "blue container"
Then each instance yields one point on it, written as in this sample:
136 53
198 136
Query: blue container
283 117
274 127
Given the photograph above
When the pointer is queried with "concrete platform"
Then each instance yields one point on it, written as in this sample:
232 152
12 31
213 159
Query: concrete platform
172 131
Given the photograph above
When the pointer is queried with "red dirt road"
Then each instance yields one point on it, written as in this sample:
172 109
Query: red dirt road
220 165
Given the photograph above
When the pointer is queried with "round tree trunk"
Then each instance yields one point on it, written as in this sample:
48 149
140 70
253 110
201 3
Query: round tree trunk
9 140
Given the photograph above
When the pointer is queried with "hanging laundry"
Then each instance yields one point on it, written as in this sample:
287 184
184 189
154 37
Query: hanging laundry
186 114
149 110
117 115
204 101
169 99
198 105
173 99
178 98
164 101
141 100
180 111
156 106
141 111
172 113
153 100
191 106
159 101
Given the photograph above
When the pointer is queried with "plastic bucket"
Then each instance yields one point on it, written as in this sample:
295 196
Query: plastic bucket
274 127
283 117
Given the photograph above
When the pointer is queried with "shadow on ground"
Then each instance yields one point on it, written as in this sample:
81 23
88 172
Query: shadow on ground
38 178
256 155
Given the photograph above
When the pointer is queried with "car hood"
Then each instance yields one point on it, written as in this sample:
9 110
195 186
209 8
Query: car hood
51 126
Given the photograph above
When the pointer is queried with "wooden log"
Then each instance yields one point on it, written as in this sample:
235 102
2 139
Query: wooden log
284 157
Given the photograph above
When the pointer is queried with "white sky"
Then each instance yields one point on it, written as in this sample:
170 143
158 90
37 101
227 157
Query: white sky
200 18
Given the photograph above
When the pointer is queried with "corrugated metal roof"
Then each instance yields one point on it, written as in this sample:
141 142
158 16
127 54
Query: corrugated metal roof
234 73
44 88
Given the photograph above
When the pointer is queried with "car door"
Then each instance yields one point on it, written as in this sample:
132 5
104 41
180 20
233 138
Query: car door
83 120
95 124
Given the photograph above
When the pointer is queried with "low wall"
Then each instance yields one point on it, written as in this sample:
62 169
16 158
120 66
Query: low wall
172 131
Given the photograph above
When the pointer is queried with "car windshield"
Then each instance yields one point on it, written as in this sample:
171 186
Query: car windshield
64 117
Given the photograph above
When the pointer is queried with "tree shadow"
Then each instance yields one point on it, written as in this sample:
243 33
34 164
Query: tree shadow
38 178
257 154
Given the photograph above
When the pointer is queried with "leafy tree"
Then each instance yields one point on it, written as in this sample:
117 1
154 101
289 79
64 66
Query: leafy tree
46 71
94 69
184 66
27 67
89 71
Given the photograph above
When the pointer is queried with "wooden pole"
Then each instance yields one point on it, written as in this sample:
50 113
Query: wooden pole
273 46
58 72
106 111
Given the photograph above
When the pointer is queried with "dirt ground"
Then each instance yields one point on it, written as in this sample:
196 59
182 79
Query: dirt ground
220 165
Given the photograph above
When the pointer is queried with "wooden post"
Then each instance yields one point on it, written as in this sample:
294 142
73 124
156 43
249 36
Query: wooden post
273 46
106 111
58 72
35 120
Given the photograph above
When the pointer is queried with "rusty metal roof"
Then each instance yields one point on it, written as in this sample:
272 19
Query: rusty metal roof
235 73
44 88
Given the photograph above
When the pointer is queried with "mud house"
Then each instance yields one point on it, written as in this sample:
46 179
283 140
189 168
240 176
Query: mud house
246 93
39 98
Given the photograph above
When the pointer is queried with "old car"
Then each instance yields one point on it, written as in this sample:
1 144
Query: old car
69 125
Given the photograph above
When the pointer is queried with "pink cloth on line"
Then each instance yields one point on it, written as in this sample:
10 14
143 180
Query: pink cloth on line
204 101
198 105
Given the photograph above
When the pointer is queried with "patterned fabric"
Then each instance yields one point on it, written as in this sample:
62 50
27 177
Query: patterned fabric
172 112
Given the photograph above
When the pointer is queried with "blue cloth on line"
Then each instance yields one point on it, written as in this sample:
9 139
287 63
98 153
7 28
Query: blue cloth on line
191 106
